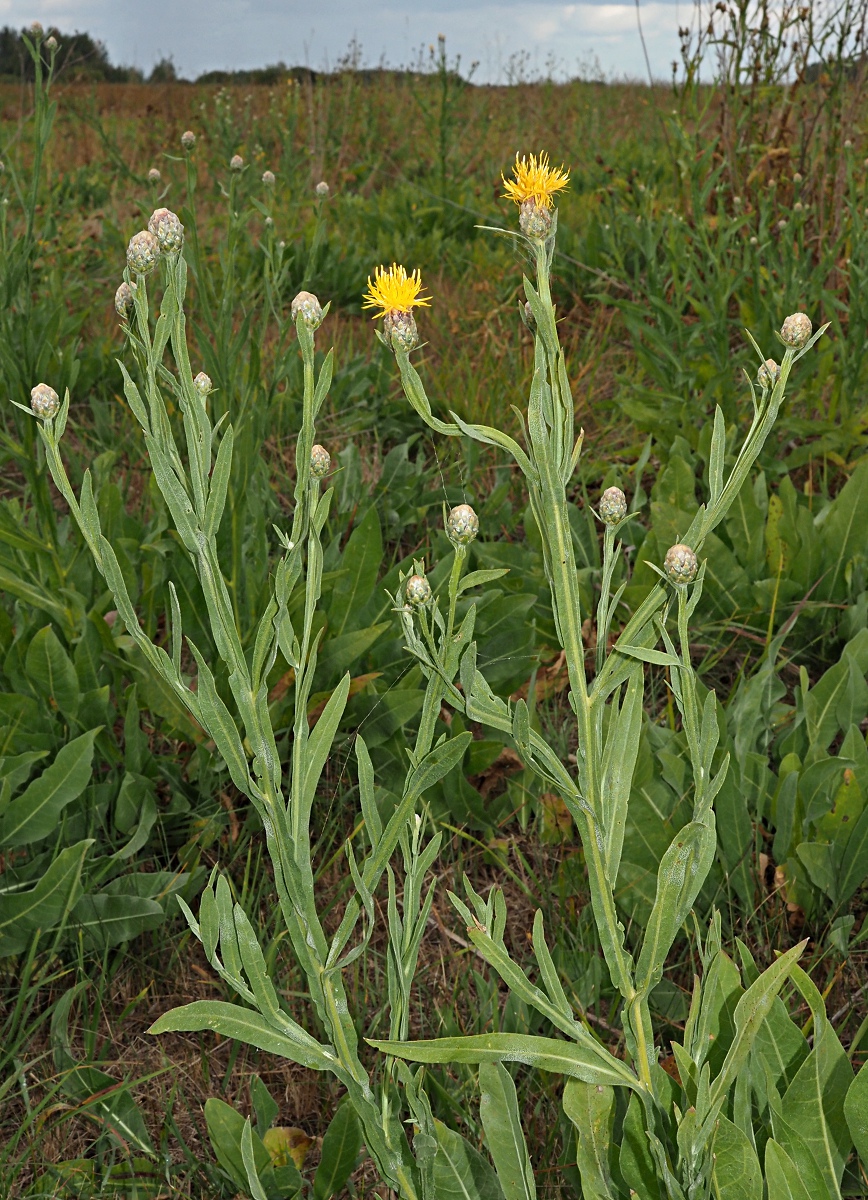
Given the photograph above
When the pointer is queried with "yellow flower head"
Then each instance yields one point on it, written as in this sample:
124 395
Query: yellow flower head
394 291
533 179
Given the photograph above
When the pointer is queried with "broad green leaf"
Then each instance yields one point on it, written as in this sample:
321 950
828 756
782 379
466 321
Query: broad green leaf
854 861
619 764
106 920
341 1144
591 1108
459 1170
264 1105
856 1113
34 814
736 1173
635 1160
230 1020
50 669
319 743
248 1159
501 1120
813 1104
843 533
750 1012
46 905
225 1129
360 565
588 1062
437 764
782 1178
714 1029
478 578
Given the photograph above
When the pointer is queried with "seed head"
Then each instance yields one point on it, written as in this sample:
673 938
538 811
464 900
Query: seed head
154 175
44 401
125 301
533 179
320 462
188 139
400 330
202 383
143 252
51 43
462 525
768 374
613 506
322 190
308 308
417 591
796 330
167 229
236 163
680 564
268 178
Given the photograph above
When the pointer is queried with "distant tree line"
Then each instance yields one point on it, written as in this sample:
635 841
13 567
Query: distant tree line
79 56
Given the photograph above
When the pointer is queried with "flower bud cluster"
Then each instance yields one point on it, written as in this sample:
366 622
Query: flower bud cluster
236 163
188 139
143 252
154 175
164 235
125 300
167 229
322 190
44 401
613 506
203 385
768 374
417 591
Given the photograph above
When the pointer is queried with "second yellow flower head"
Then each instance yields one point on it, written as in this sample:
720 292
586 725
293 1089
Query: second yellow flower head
533 179
394 291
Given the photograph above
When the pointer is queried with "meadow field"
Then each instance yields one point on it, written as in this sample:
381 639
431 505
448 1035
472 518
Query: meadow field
693 213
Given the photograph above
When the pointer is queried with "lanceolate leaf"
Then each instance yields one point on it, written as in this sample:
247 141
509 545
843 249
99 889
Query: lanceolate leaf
591 1108
45 906
459 1171
501 1120
736 1173
34 814
341 1144
856 1112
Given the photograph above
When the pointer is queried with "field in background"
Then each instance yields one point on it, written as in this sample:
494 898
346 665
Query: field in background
691 214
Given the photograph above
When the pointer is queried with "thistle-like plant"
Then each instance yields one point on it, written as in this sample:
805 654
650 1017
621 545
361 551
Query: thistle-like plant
668 1134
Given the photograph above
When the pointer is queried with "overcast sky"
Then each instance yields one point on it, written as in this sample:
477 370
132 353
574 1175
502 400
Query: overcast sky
201 35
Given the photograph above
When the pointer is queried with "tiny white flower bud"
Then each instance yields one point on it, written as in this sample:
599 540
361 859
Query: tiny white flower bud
269 222
306 306
613 506
36 30
51 44
188 139
125 301
44 401
154 175
680 564
167 229
202 384
322 189
268 178
320 462
236 162
782 224
2 166
462 525
143 252
768 374
796 330
848 145
797 178
417 590
798 206
754 241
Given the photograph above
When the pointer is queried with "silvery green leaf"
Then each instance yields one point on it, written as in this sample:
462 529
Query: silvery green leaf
477 578
219 484
319 743
591 1108
783 1180
736 1173
501 1120
619 763
718 445
459 1172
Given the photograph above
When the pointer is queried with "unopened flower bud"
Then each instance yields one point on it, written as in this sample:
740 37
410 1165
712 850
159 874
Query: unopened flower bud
36 30
167 229
125 301
613 506
680 564
143 252
796 330
798 206
154 175
202 383
768 374
525 311
188 139
269 222
236 162
797 178
44 401
417 590
848 145
534 220
322 189
306 306
462 525
400 330
51 44
268 178
320 462
2 167
754 241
